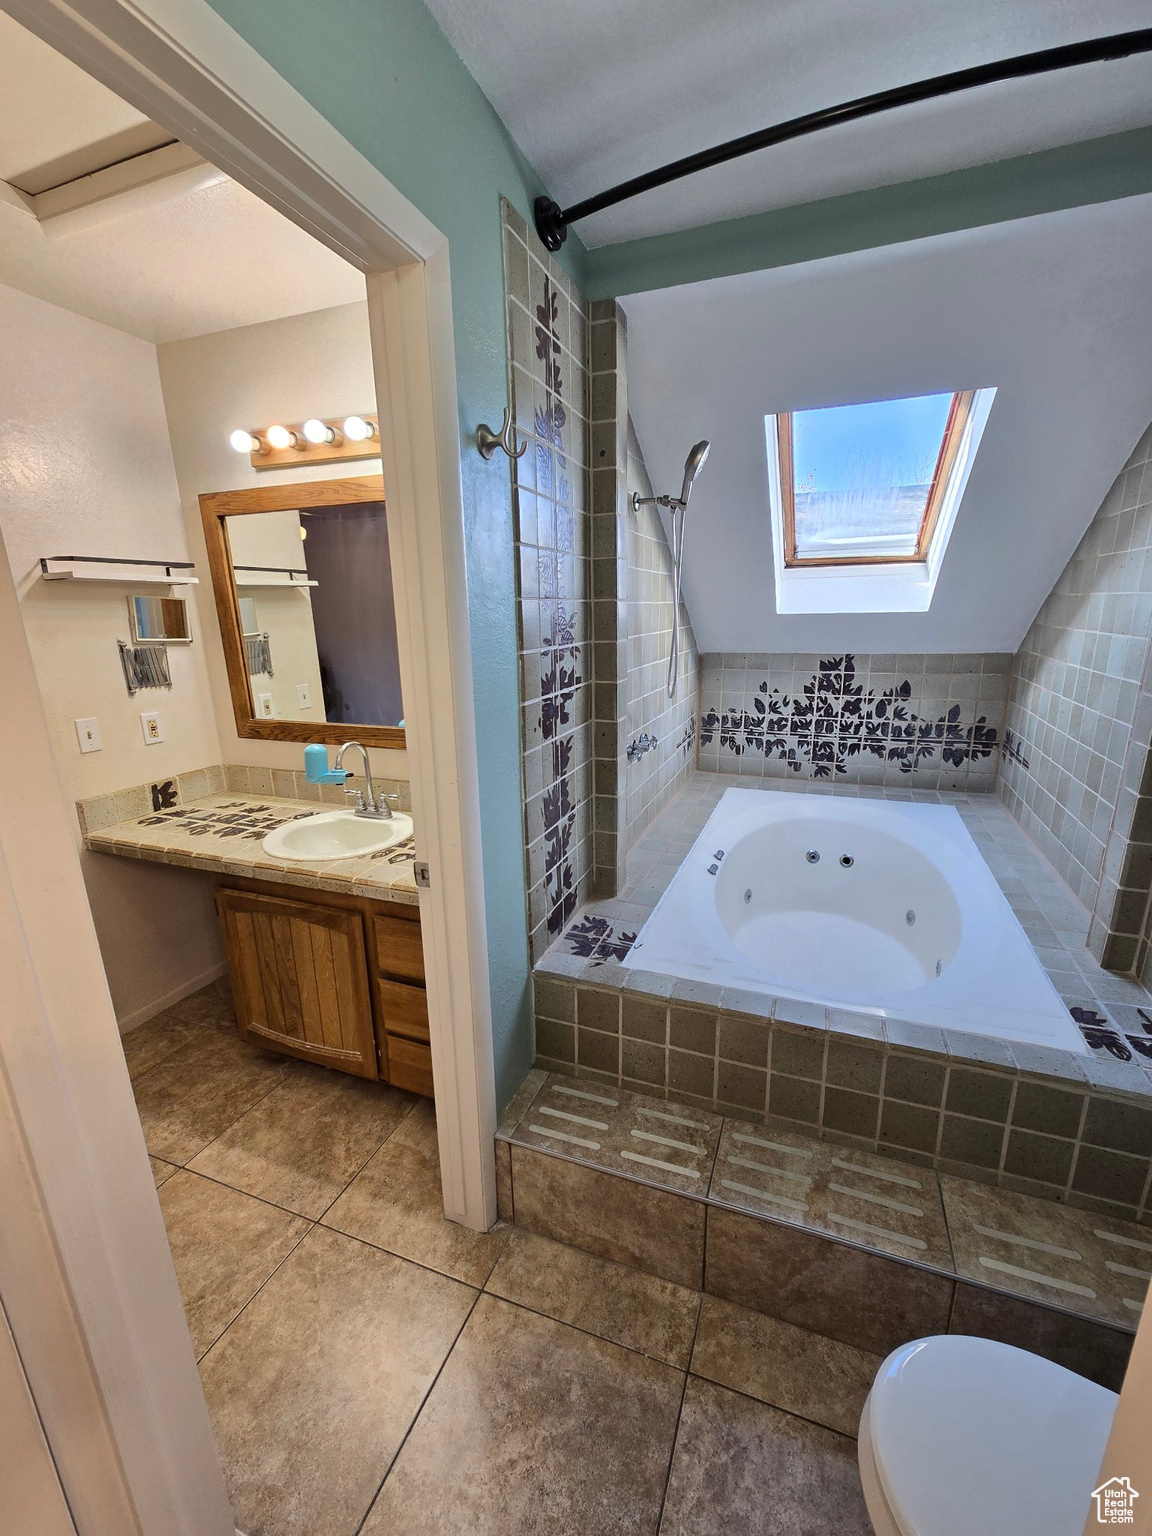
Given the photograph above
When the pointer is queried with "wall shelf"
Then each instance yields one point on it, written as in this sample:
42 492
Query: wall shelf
271 576
169 573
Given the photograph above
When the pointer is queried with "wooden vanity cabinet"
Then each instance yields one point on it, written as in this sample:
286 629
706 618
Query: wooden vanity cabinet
334 979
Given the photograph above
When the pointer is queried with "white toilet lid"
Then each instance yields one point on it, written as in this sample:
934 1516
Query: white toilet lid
975 1438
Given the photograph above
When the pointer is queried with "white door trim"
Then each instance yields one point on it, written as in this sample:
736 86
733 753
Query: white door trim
181 64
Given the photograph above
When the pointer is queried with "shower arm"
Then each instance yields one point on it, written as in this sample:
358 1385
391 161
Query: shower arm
552 221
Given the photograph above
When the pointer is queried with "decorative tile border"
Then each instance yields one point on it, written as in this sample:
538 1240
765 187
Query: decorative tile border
547 362
871 719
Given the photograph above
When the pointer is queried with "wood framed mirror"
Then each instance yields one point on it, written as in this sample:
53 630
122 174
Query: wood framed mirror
302 579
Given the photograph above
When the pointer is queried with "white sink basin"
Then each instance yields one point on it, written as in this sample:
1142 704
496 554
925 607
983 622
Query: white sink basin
335 835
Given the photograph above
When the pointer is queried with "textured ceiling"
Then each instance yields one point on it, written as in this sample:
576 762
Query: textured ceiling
1053 311
204 261
598 92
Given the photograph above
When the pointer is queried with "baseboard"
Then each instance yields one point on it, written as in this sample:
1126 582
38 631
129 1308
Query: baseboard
139 1016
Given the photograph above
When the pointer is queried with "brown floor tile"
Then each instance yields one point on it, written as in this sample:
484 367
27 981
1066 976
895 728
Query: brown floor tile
150 1043
314 1386
863 1299
534 1429
211 1006
396 1203
224 1246
1094 1265
742 1467
1089 1348
200 1090
161 1170
803 1373
301 1145
613 1301
655 1230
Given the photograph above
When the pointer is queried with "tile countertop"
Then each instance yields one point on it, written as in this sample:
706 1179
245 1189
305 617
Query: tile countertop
222 834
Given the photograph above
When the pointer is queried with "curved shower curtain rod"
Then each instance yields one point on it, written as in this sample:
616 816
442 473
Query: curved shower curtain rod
552 221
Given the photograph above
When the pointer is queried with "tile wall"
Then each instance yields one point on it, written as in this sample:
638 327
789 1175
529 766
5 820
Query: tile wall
1079 719
932 721
632 623
654 776
547 347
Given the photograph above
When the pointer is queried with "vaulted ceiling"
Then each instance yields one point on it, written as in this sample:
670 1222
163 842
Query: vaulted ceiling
1052 310
597 92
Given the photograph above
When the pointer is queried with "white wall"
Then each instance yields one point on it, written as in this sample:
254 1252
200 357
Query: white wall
318 364
86 469
272 539
1051 310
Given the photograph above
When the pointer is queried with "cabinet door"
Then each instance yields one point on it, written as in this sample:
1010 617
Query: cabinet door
300 977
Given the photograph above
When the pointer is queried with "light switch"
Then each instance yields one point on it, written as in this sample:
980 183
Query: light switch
150 725
88 734
264 706
303 696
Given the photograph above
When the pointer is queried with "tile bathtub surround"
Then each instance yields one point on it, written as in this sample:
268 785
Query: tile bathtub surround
932 721
803 1229
547 360
632 621
1079 717
222 832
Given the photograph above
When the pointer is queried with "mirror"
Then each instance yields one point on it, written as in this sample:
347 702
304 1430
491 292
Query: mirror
159 620
303 583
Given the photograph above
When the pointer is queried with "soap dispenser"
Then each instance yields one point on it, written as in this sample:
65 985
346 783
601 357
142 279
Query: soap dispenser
316 769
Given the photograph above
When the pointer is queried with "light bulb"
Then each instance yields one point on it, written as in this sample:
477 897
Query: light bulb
357 430
317 431
280 438
244 442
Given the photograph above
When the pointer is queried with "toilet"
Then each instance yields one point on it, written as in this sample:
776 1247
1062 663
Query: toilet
968 1437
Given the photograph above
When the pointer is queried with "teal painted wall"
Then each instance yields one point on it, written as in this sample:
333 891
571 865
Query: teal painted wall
383 73
1094 171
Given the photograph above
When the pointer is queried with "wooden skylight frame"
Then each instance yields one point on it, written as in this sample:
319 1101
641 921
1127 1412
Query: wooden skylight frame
958 414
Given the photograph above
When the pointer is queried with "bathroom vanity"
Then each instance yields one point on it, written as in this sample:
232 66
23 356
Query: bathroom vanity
334 979
324 956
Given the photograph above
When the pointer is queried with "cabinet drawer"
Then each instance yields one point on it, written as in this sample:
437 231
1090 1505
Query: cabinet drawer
398 948
403 1010
409 1066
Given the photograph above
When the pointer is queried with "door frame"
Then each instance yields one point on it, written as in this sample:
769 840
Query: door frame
181 64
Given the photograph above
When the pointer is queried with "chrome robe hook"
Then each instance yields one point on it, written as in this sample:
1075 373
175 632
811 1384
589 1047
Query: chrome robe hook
488 441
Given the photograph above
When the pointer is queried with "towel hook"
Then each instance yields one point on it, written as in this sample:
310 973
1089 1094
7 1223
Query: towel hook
488 441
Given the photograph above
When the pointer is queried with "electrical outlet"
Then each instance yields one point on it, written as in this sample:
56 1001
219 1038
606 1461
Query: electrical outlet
264 706
303 696
88 735
150 725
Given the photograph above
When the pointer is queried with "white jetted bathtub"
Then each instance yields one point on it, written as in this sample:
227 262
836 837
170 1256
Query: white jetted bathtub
877 905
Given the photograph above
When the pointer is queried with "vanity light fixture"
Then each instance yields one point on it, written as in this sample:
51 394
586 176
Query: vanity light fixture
318 440
282 438
359 429
317 432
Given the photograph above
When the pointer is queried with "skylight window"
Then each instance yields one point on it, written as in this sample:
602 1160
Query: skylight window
865 483
864 498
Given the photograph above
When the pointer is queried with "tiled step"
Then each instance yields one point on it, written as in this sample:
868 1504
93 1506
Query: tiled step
858 1246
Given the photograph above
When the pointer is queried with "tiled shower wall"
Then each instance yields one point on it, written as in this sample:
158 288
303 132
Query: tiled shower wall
632 623
932 721
1079 719
547 347
654 776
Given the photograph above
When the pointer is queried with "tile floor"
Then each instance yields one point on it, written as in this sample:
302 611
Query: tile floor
371 1368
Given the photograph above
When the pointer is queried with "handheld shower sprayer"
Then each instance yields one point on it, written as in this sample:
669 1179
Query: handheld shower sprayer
693 464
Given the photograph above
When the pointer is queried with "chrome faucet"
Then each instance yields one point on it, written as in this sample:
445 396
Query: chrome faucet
368 802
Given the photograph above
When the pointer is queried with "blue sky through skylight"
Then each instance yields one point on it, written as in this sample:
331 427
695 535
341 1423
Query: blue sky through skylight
862 474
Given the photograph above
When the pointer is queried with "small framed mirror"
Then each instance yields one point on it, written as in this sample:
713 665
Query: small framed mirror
302 577
158 620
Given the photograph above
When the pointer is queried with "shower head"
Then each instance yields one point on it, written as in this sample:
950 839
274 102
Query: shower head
693 464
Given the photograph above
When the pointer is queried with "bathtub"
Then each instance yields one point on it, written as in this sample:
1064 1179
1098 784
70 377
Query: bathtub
881 906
